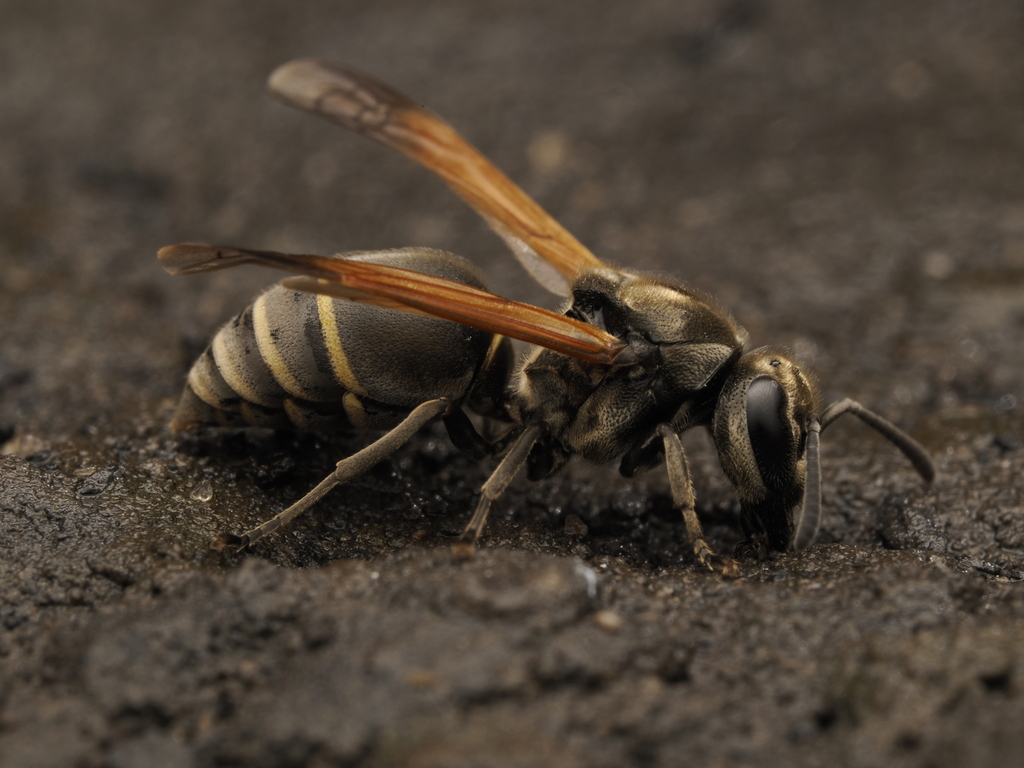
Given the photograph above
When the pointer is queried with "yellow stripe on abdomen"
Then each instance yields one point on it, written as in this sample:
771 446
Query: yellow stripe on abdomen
271 354
332 341
229 366
354 410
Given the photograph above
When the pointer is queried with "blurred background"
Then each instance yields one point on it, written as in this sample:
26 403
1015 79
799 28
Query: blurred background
846 178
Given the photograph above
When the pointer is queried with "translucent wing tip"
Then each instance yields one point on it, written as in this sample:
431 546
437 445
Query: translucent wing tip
192 258
302 82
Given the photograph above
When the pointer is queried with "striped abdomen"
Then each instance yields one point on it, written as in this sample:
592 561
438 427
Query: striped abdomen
319 363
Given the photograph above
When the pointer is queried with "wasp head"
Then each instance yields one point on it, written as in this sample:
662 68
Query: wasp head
760 431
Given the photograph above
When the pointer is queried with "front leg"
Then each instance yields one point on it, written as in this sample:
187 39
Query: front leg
683 497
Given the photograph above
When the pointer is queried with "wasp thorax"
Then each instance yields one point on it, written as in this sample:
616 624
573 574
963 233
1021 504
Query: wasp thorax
678 344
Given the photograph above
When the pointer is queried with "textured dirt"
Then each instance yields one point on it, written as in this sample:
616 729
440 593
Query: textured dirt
847 178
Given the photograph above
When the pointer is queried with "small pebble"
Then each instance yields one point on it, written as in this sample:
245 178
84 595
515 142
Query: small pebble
609 620
574 526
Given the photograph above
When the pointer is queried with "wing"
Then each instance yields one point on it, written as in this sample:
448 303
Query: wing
415 292
357 101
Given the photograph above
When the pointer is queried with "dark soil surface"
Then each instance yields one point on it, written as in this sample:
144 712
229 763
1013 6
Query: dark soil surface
848 178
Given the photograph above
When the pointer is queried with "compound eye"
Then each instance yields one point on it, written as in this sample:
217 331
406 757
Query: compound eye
770 431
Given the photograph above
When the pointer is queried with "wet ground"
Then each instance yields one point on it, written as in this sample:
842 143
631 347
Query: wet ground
848 178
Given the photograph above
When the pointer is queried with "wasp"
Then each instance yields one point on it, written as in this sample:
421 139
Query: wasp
394 340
